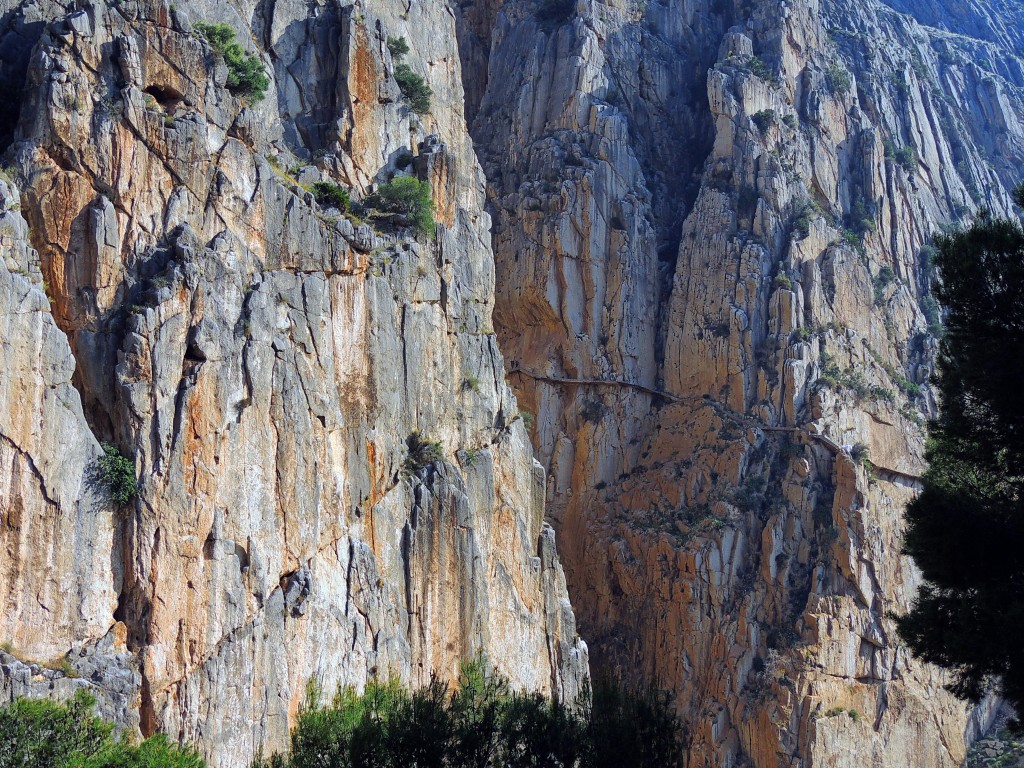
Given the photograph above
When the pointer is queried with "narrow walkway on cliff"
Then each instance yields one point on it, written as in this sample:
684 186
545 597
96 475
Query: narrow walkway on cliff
883 473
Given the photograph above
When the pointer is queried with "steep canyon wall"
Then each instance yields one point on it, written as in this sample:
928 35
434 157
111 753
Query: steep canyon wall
169 285
702 228
711 230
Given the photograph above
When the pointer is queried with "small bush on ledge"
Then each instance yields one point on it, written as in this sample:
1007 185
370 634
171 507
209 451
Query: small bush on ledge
398 47
838 79
116 472
756 66
331 195
782 281
246 76
764 119
408 198
414 88
422 452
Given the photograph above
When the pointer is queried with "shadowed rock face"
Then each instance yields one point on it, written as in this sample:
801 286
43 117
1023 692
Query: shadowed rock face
166 284
697 406
997 21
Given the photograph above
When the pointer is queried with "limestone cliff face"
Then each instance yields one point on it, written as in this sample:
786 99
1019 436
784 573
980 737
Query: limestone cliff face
711 229
167 285
705 250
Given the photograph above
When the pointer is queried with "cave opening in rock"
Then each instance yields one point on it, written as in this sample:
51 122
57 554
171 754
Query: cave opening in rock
168 98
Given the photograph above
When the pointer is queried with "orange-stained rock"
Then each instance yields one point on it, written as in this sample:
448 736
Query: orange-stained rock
704 340
264 361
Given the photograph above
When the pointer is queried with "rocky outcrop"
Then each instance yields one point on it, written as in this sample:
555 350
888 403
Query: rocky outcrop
270 365
711 364
997 21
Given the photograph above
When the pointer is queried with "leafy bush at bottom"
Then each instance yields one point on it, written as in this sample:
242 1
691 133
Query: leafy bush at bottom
38 733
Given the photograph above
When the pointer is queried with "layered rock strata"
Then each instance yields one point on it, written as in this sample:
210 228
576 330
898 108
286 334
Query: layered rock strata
711 289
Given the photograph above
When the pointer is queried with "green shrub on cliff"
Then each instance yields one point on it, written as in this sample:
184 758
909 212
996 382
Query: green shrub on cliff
331 195
905 157
38 733
414 88
422 452
398 46
116 472
408 198
838 79
246 76
764 119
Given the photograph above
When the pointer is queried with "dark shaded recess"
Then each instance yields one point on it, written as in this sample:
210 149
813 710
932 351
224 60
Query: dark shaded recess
168 98
134 604
17 39
316 60
96 347
475 23
673 138
553 12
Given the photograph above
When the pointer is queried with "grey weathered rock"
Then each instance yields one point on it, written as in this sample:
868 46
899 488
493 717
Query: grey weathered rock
264 362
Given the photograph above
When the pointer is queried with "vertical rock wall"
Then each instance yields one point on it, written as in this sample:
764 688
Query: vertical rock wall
265 361
710 224
709 363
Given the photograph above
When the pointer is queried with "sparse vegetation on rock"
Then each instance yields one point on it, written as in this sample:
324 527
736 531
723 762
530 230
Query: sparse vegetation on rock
838 79
116 472
414 88
759 69
331 195
422 452
398 46
905 157
764 119
409 199
246 75
882 281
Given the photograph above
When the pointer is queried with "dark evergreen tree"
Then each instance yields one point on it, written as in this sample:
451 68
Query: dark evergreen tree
630 728
476 708
421 731
966 528
482 723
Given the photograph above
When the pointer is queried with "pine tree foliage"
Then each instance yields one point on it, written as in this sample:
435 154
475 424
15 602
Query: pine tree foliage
966 528
481 723
246 75
410 199
116 472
